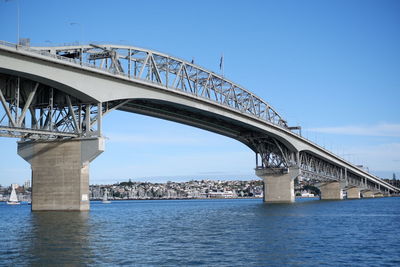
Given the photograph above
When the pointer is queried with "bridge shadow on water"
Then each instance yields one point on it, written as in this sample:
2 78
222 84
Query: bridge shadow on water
59 237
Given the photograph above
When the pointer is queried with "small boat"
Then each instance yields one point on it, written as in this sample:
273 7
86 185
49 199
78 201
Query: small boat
105 199
13 198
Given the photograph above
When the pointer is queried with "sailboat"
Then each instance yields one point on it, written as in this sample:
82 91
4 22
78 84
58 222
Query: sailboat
105 199
13 198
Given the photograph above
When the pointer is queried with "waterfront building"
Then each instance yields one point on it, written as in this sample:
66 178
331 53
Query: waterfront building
306 194
27 184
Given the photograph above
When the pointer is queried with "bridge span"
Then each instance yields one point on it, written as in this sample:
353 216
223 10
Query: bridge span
54 99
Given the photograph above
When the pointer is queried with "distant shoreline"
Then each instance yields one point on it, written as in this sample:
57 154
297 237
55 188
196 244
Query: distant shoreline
134 199
95 200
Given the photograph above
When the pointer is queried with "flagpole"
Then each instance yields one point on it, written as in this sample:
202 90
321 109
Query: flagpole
221 64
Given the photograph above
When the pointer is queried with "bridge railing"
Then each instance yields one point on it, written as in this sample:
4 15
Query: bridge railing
54 56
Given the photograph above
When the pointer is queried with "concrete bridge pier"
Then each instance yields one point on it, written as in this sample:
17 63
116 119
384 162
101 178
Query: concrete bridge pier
368 194
353 193
331 191
278 184
60 172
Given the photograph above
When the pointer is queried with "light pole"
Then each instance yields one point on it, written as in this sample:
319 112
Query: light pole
81 42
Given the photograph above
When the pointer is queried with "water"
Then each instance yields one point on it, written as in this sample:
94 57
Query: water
243 232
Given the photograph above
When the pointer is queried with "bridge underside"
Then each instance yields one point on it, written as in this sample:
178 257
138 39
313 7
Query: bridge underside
36 112
56 121
189 116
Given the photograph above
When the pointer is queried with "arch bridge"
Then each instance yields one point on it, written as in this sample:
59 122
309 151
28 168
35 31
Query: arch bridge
54 99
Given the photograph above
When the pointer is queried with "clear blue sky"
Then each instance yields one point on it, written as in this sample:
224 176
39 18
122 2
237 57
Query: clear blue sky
332 67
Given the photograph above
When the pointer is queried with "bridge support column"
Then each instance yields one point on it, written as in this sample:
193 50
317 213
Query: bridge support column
60 172
353 193
368 194
331 191
278 184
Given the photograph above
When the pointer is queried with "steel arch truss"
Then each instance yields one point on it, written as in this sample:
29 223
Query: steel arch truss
169 72
31 110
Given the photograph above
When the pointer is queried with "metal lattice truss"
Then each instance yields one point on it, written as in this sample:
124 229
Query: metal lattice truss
31 110
354 180
276 156
315 168
319 170
272 152
169 72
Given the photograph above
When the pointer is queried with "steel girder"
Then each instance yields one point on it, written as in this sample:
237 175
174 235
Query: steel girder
272 153
30 110
170 72
35 111
319 170
315 168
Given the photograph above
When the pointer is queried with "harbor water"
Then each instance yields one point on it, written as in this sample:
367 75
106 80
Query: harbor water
220 232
